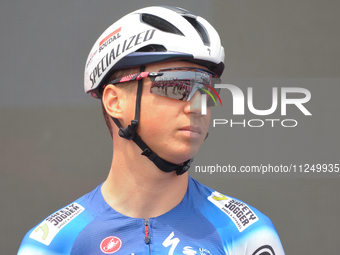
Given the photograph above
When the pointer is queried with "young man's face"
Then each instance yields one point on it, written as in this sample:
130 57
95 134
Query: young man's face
174 129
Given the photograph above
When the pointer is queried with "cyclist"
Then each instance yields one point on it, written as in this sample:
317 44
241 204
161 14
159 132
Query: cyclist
148 204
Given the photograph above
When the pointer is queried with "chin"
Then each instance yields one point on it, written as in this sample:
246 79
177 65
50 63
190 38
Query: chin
183 156
179 152
178 156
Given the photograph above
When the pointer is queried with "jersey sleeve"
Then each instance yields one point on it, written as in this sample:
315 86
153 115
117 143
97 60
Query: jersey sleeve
56 234
263 241
243 229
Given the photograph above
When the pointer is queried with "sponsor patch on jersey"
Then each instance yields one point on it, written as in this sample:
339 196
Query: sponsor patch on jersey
238 212
110 244
50 227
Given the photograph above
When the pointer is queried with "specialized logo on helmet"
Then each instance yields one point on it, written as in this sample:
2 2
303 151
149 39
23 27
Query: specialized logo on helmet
116 51
110 244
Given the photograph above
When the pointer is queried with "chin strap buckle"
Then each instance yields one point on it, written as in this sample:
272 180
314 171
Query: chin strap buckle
162 163
185 167
129 131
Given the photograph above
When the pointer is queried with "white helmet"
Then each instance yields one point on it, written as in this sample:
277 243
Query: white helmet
146 36
153 34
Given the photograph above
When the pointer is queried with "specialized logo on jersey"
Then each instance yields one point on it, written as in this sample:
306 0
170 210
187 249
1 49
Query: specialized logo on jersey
238 212
48 229
110 244
188 250
172 242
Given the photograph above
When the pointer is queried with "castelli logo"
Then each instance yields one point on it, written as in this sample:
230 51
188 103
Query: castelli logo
110 244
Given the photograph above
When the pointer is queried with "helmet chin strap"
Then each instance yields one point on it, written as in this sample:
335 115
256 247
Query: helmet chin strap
130 133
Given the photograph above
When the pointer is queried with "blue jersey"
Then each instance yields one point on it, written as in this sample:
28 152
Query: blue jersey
204 223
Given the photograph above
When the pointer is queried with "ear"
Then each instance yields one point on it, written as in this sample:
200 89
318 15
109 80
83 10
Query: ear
112 101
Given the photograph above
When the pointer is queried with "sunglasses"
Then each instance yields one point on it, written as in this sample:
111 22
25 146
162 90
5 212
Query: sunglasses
179 83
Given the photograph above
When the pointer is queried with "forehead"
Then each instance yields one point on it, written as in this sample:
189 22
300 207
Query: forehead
168 64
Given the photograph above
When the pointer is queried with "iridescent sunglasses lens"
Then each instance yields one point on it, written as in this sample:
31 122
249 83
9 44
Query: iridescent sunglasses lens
182 84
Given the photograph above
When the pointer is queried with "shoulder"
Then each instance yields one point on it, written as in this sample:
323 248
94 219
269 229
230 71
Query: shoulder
57 233
242 228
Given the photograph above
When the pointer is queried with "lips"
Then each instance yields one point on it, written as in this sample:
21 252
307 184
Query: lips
192 129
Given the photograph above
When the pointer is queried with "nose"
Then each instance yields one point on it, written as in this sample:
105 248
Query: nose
194 106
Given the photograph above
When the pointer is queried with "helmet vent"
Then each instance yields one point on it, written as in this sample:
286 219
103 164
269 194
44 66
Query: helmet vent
152 48
179 10
160 24
200 29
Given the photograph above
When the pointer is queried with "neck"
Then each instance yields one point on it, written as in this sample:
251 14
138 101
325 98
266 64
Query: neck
136 188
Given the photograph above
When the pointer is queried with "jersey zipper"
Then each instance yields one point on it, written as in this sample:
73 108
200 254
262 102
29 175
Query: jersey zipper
147 236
